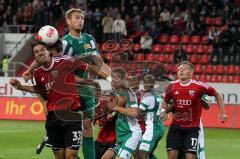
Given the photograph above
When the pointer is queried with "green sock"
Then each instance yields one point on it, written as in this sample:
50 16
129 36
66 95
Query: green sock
88 148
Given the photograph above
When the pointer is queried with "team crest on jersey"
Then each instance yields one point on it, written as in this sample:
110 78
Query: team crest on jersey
54 73
87 46
191 93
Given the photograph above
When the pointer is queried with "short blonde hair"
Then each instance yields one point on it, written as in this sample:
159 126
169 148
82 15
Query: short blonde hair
186 63
73 10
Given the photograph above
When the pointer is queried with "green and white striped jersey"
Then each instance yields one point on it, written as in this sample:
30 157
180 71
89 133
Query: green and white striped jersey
151 104
81 47
127 125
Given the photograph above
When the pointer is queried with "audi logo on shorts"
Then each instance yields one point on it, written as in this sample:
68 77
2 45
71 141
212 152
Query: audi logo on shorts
184 102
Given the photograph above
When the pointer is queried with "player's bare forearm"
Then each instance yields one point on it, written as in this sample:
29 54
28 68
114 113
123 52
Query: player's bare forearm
30 89
220 102
127 111
98 71
33 66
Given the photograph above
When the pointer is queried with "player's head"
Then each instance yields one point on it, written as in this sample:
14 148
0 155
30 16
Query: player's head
55 49
148 82
119 73
75 19
134 82
185 70
40 52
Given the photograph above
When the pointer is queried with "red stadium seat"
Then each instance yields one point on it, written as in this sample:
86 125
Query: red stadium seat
184 39
217 21
174 39
208 49
204 59
150 57
208 20
161 58
193 58
198 69
188 49
139 57
108 56
238 70
200 49
204 40
164 39
230 70
224 79
168 58
219 70
167 48
203 78
195 39
157 48
209 69
136 47
236 79
213 78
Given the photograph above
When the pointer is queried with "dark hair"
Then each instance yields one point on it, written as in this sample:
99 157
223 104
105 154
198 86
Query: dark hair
151 77
35 43
121 71
56 46
186 63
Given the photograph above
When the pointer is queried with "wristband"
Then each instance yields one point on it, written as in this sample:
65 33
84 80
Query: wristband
109 78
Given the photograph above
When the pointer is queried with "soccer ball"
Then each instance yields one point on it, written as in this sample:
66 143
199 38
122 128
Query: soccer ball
48 35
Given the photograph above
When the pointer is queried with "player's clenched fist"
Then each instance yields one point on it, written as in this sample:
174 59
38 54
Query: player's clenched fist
15 83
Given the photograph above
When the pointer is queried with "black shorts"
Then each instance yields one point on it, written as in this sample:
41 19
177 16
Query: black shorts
101 148
63 133
180 138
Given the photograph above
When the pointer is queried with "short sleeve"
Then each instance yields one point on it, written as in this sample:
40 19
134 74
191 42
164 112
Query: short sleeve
168 93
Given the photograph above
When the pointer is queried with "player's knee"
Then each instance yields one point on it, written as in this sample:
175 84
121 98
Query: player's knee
71 156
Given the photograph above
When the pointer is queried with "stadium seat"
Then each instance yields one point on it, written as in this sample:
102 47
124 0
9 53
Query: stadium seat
188 49
193 58
208 20
198 69
235 79
203 77
167 48
164 39
224 79
136 47
195 39
157 48
174 39
219 70
168 58
230 70
184 39
204 39
150 57
200 49
139 57
238 70
213 78
208 49
108 56
209 69
204 59
217 21
161 58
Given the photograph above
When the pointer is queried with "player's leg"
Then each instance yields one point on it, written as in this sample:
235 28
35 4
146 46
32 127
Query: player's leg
111 152
201 150
190 141
174 142
59 153
88 104
72 138
129 145
42 145
101 148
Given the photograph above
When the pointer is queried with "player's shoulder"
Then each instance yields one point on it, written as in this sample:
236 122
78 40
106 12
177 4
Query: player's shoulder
67 40
64 58
200 83
87 35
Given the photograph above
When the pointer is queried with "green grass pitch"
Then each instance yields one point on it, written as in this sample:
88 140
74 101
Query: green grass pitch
18 140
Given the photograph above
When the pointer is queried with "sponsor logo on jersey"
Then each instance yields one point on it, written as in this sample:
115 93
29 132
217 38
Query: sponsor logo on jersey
184 102
42 79
54 73
87 46
176 92
191 92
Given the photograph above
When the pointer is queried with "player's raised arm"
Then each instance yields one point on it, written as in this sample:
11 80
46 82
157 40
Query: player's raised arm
28 74
17 85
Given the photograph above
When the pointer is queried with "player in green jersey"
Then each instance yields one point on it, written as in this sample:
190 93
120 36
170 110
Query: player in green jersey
154 128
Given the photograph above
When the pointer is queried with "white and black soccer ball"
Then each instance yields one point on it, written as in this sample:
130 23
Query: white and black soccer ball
48 34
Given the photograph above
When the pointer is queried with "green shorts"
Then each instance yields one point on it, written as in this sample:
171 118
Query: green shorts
126 148
87 100
150 139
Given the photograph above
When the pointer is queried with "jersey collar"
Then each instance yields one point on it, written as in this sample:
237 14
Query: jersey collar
187 84
49 68
80 36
